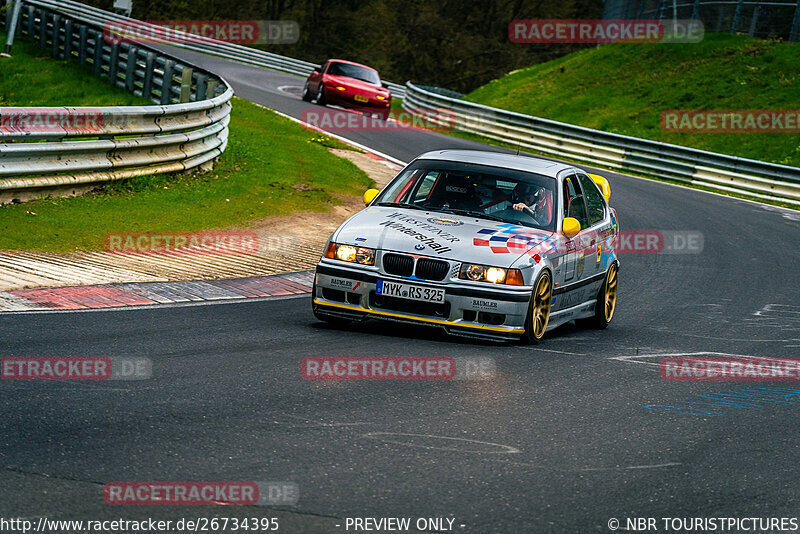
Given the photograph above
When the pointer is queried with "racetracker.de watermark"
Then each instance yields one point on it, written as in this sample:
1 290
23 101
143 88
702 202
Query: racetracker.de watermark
599 242
71 121
729 369
196 493
200 31
605 31
222 243
660 242
730 120
368 120
397 368
75 368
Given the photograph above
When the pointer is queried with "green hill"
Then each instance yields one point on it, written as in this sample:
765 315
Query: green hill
623 88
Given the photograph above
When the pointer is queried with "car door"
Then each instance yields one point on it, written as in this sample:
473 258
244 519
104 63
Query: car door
574 257
598 223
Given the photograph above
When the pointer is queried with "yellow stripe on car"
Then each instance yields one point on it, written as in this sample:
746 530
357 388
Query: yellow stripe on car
422 320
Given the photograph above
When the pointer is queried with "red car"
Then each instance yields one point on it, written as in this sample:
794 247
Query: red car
349 85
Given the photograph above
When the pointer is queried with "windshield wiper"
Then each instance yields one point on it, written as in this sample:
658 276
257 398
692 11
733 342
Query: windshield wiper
493 217
475 214
401 205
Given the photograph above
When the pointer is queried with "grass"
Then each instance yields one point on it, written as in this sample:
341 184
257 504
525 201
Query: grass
271 166
623 88
32 78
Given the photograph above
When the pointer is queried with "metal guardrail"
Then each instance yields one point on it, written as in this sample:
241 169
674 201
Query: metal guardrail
721 172
71 149
196 43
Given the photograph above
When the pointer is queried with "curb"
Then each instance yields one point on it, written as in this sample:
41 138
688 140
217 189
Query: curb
127 294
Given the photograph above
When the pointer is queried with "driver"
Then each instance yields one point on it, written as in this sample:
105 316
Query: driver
530 199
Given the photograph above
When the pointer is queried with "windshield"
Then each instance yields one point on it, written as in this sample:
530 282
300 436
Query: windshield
492 193
354 71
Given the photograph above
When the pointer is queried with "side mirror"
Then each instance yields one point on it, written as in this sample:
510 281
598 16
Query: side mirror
570 227
603 184
370 195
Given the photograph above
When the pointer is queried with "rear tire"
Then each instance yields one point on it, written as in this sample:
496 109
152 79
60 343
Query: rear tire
606 302
538 309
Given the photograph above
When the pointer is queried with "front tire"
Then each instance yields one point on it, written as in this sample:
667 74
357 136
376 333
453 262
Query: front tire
321 95
606 302
306 93
539 309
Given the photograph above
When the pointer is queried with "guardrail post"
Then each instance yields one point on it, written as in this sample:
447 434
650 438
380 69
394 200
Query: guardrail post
720 17
148 75
55 49
43 29
82 45
113 64
97 66
130 68
754 21
31 22
202 85
736 15
11 25
166 82
211 89
695 10
795 23
68 39
186 84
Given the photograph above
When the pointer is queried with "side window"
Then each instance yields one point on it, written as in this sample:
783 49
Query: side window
574 205
399 187
597 207
324 67
425 186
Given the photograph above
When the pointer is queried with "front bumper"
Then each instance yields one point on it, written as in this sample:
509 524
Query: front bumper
348 100
348 292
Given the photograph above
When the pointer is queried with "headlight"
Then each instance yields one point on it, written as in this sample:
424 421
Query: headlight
340 88
379 97
362 255
494 275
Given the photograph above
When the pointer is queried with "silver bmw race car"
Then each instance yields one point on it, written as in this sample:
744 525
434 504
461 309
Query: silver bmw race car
483 244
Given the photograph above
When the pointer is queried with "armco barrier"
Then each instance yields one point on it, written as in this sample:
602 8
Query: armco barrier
53 151
236 52
754 178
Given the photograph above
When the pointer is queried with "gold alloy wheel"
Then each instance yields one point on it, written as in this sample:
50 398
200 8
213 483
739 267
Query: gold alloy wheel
610 299
540 314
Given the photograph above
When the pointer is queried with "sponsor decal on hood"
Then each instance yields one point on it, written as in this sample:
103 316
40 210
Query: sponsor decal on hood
454 237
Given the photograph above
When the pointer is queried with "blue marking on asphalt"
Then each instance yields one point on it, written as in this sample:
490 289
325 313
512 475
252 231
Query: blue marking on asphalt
737 399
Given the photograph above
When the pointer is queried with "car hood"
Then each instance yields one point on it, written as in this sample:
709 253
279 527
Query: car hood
356 84
440 235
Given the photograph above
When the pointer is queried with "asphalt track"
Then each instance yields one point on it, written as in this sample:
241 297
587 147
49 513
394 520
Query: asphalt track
560 440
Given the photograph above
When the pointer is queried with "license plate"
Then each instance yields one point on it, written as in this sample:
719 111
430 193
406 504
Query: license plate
360 98
407 291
